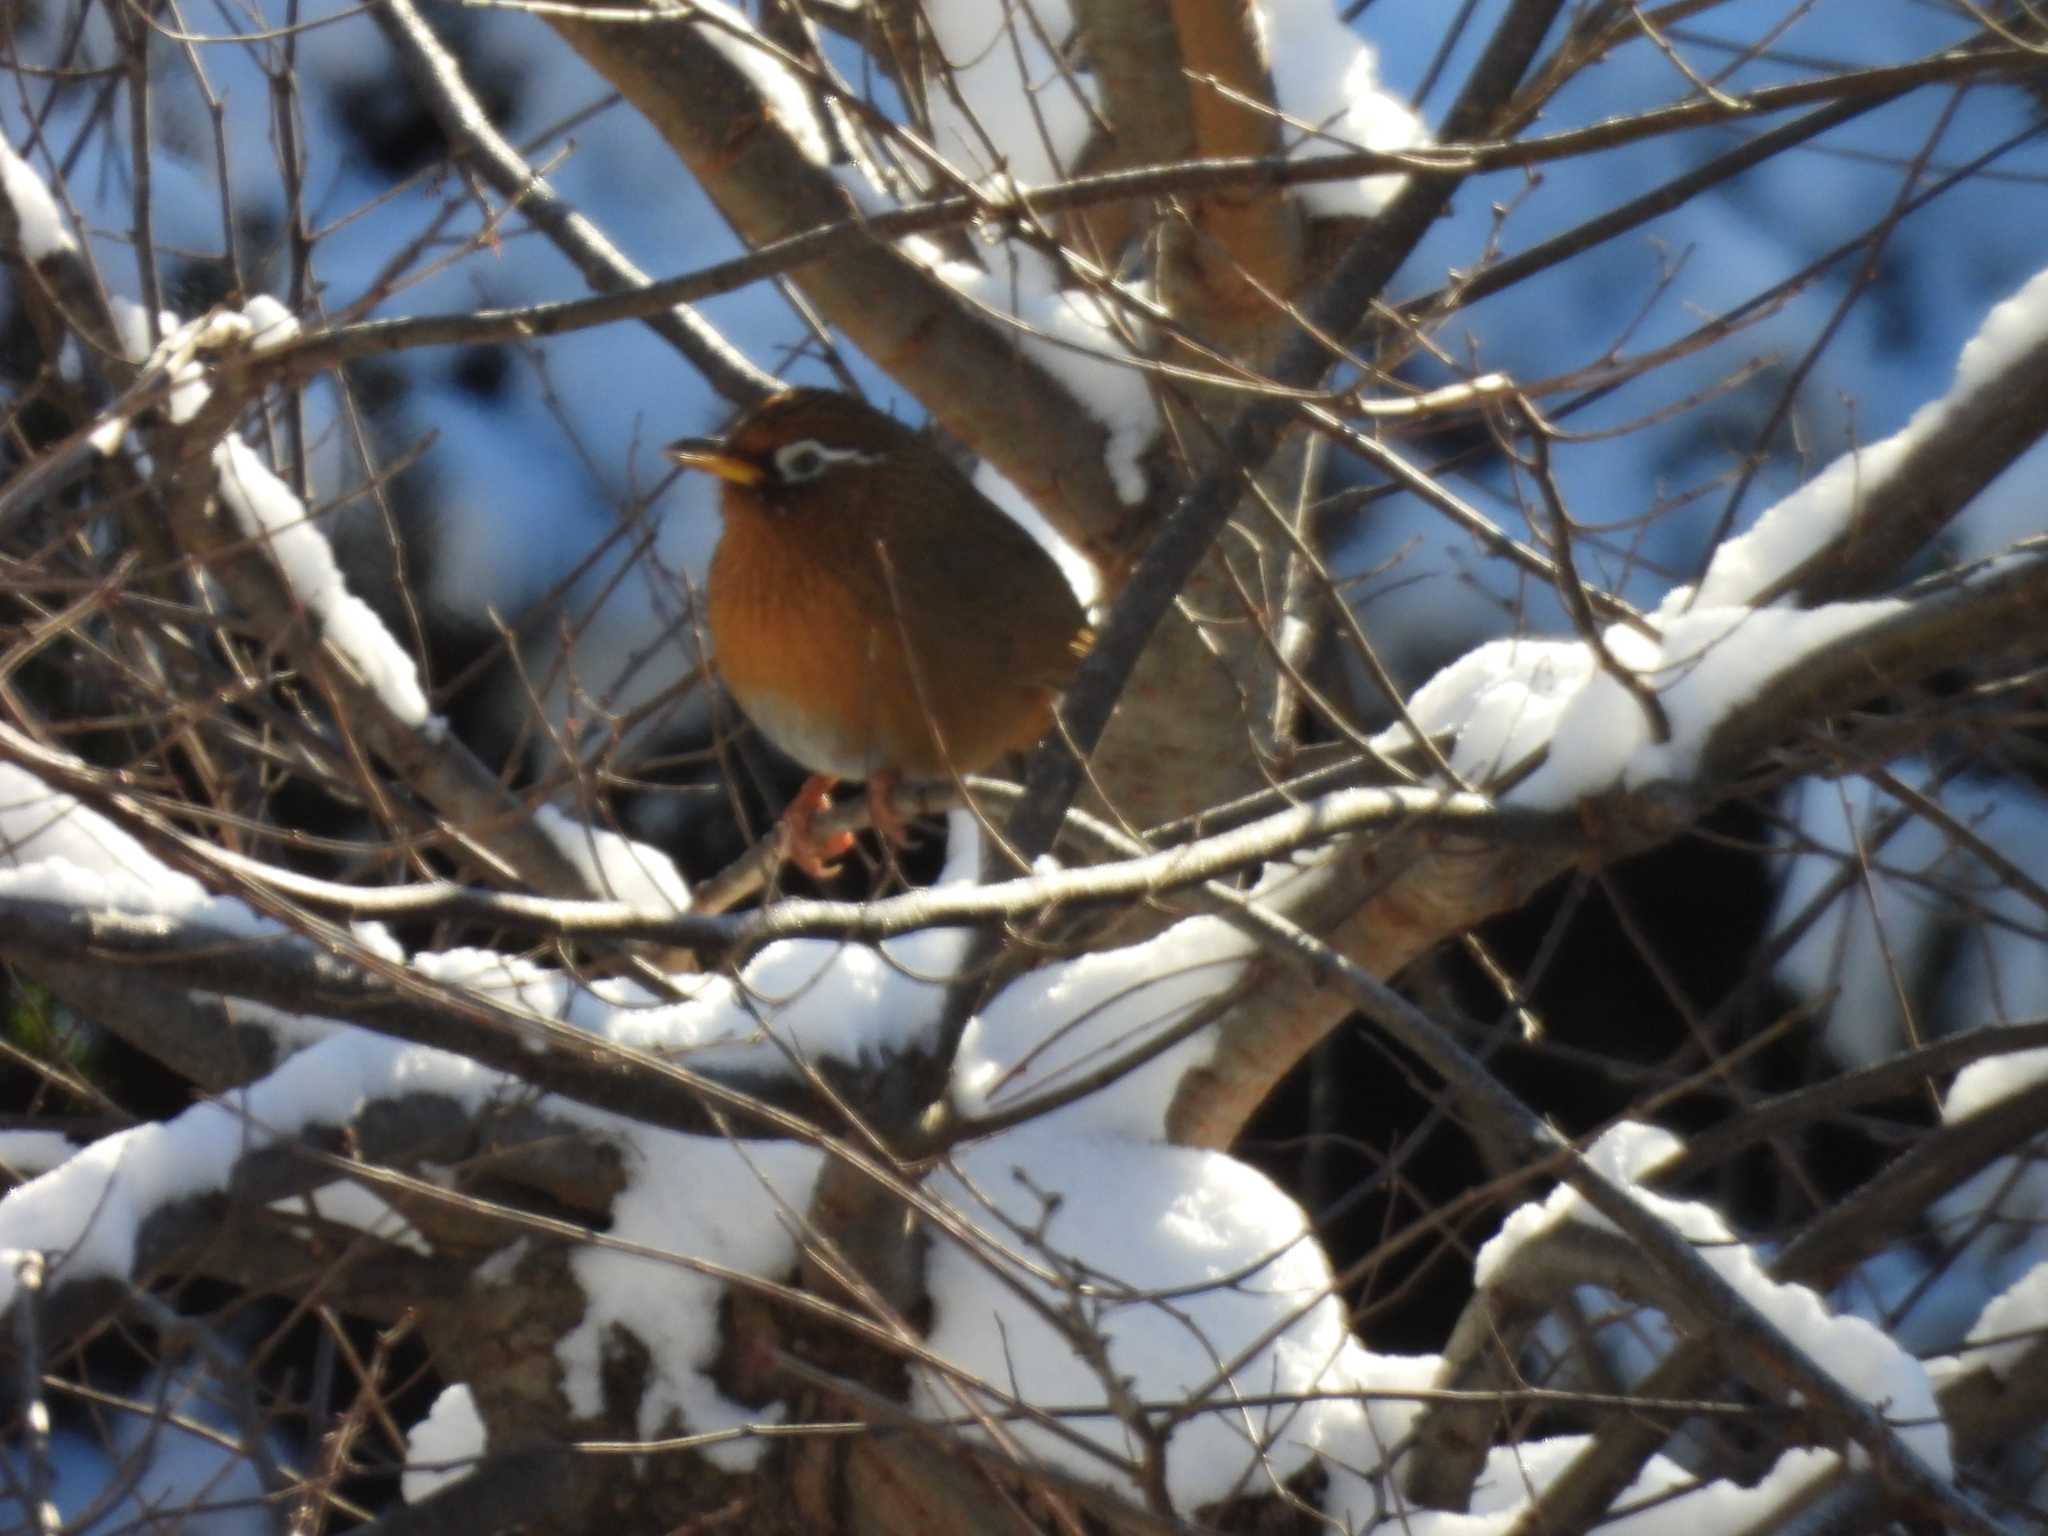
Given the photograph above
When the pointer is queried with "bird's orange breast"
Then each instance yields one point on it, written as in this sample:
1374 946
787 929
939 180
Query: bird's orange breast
854 666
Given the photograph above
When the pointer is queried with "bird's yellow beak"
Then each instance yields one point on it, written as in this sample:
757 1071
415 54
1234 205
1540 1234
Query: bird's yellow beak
707 454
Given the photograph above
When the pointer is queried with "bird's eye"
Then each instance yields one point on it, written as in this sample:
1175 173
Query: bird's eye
798 462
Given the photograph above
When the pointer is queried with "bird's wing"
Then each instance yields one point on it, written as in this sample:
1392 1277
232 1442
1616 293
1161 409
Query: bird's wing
992 587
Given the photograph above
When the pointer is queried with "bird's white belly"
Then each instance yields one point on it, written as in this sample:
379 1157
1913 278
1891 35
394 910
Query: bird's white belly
813 739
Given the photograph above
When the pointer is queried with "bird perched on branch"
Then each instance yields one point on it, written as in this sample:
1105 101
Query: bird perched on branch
875 615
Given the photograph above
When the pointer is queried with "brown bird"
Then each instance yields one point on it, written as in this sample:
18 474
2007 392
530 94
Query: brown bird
875 615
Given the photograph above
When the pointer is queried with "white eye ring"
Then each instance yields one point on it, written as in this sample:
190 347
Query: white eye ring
806 460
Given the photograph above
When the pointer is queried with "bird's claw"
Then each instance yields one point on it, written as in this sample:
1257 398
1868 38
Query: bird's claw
801 844
811 853
883 813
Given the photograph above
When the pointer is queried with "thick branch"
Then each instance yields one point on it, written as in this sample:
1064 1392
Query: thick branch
289 973
1980 617
1249 246
1975 441
1335 310
1392 899
969 370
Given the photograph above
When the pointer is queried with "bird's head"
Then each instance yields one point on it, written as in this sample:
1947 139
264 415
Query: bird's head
804 448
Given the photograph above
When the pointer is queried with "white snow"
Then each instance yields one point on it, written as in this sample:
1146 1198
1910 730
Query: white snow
1710 661
1015 111
346 1203
702 1196
615 866
1997 1218
734 1203
1081 575
1863 1358
1325 75
24 1154
41 227
1361 1432
2011 1325
1665 1497
379 941
1188 1258
1064 1021
1984 1083
705 1197
270 324
1089 1191
789 100
1072 334
1927 1306
54 849
452 1432
131 325
1509 697
40 825
801 998
288 1029
1019 112
86 1212
1499 702
1826 507
1018 115
719 1201
265 509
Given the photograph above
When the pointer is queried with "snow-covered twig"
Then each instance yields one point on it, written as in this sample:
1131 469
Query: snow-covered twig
289 583
1344 812
31 1274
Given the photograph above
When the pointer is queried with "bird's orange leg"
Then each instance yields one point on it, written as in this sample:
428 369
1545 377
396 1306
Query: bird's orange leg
801 844
883 813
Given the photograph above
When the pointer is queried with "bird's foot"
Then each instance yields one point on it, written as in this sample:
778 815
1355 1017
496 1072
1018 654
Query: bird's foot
801 844
883 813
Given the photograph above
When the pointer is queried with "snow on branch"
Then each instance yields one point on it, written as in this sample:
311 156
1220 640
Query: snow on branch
1551 718
266 510
1545 721
2003 1209
704 1193
350 649
73 884
1863 516
290 578
38 228
1274 1330
1864 1359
